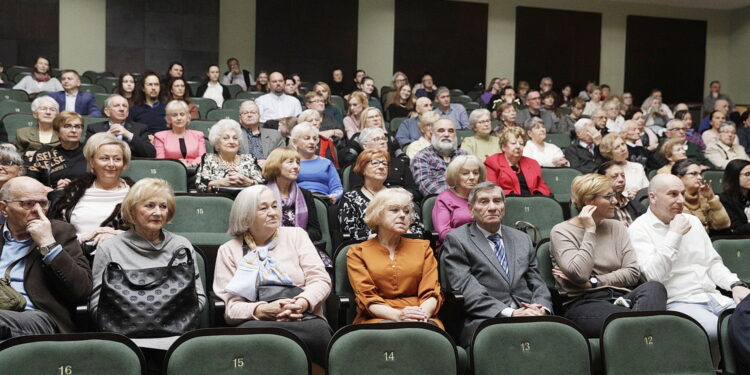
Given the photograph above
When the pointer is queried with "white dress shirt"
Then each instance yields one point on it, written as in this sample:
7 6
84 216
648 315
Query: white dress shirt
70 101
274 107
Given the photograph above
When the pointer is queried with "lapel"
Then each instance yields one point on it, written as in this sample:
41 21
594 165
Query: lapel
484 247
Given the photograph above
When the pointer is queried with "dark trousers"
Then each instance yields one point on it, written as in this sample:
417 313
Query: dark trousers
739 336
590 311
25 323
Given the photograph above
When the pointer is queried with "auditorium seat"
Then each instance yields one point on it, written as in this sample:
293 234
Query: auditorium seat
342 289
14 121
92 88
715 177
735 253
11 94
202 219
460 99
321 209
203 126
204 105
233 90
728 361
530 345
251 95
540 211
71 354
339 103
561 140
217 114
233 104
100 98
455 93
268 351
168 169
395 123
559 180
13 106
110 83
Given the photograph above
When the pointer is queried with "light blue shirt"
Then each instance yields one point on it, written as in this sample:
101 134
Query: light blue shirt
457 113
14 249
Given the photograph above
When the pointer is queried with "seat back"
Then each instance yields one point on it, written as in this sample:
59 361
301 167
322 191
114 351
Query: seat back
221 114
171 170
395 123
100 98
530 345
346 175
268 351
251 95
728 362
715 177
11 94
470 106
339 103
544 263
233 90
109 83
561 140
200 263
233 104
69 354
341 286
202 219
463 133
428 204
14 106
559 180
202 126
193 86
542 212
735 253
665 342
325 229
14 121
204 105
92 88
392 348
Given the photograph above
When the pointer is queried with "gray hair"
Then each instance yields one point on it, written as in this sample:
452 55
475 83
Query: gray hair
8 152
727 124
441 90
672 122
531 122
476 115
248 103
39 100
367 134
582 123
483 186
219 128
245 205
176 105
454 167
108 101
303 128
626 125
307 114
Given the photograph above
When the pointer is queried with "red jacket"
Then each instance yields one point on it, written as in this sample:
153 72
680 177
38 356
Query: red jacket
499 172
328 151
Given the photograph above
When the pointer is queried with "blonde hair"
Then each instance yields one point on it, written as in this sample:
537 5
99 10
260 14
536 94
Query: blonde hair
143 190
666 148
96 141
607 145
517 131
585 187
426 120
363 117
382 201
272 169
454 168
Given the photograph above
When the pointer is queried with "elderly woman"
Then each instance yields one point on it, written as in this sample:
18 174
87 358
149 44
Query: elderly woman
322 89
546 154
726 148
613 147
402 105
148 206
29 139
394 278
326 147
126 87
269 275
452 206
711 136
370 118
482 143
39 80
425 127
515 173
357 104
181 143
57 166
372 166
735 198
594 263
673 150
649 139
632 137
178 90
296 203
227 167
507 114
700 199
614 119
92 203
316 174
599 118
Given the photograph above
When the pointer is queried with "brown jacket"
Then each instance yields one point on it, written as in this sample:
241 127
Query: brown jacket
57 288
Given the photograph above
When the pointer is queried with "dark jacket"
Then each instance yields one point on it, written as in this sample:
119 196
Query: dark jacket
224 91
581 159
85 103
140 146
51 164
399 175
736 210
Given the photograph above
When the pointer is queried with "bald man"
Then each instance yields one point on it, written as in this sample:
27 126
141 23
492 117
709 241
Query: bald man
276 104
47 265
408 131
674 249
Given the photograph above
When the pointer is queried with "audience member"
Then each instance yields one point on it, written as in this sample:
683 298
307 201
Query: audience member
259 141
72 99
265 258
11 165
743 130
237 76
711 136
700 200
290 88
455 112
276 105
57 166
673 150
714 95
613 147
31 138
726 148
368 87
44 262
515 173
428 165
722 106
549 105
337 82
534 109
147 106
738 331
734 197
627 207
594 103
409 131
176 70
398 81
451 208
317 174
178 92
426 88
179 142
567 122
384 291
475 256
212 88
676 130
327 148
691 133
322 89
262 82
403 104
614 119
546 154
126 87
482 143
329 126
357 104
636 152
229 166
117 109
39 80
426 120
508 116
493 88
583 152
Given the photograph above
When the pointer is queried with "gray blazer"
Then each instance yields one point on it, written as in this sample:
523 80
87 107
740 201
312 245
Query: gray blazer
270 140
471 268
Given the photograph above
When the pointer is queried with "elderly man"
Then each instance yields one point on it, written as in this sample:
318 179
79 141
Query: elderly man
678 129
47 266
726 148
408 131
627 208
715 94
260 141
429 165
276 105
116 109
236 75
583 153
674 249
71 99
534 109
492 265
455 112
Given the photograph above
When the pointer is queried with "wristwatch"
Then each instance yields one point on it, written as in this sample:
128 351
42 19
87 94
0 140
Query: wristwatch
44 250
738 283
594 281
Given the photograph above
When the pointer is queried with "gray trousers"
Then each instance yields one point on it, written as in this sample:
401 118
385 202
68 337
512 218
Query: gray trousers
25 323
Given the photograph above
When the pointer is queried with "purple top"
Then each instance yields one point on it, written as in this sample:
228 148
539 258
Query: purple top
450 212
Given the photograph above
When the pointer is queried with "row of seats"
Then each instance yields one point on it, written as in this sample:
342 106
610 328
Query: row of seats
631 343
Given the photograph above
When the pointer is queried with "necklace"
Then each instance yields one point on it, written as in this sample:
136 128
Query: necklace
369 191
229 164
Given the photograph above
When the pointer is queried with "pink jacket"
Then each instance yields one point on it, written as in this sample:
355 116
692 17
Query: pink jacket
168 145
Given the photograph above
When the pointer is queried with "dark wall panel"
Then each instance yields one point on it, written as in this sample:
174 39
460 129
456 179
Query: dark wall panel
665 53
149 34
306 37
29 28
448 39
564 45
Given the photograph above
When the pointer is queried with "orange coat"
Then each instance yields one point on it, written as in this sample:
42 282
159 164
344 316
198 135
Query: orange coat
408 280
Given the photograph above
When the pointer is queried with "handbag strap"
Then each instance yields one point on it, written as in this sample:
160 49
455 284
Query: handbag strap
10 267
165 275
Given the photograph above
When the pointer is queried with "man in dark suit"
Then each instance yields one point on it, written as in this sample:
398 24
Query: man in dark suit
492 265
134 134
583 152
71 99
260 141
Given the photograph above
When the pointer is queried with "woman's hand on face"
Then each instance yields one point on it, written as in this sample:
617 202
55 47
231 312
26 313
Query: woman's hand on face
586 217
706 190
62 183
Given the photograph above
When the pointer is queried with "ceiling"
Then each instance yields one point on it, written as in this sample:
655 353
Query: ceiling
704 4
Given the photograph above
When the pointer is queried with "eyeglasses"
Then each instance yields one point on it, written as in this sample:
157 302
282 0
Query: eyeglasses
379 139
29 205
9 163
72 126
378 163
608 197
315 101
678 129
45 109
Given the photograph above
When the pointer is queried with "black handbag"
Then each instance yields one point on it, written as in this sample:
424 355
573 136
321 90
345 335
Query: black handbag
150 302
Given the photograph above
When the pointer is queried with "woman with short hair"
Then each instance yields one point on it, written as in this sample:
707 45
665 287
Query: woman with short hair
179 142
227 167
613 147
726 148
39 80
177 89
57 166
31 138
545 153
316 174
483 143
515 173
451 208
673 150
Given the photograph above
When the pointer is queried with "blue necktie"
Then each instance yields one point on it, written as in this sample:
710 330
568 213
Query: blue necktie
499 250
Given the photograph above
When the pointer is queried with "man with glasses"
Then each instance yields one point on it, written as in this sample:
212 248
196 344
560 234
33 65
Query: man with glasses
726 148
677 129
72 99
534 109
44 261
116 109
276 104
260 141
429 165
627 208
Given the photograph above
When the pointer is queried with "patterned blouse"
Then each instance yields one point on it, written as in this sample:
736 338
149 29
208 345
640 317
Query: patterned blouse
213 168
352 217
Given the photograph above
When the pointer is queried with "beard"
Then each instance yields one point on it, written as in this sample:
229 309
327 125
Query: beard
444 147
